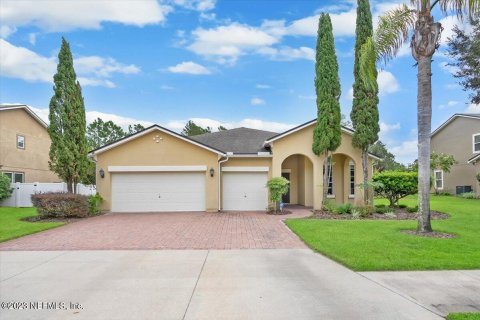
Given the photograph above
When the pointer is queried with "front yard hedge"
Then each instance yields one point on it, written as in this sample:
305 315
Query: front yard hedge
61 205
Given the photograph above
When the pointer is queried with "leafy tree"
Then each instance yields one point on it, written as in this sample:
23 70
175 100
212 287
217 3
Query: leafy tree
222 128
395 185
100 133
364 113
327 134
278 187
441 161
465 49
192 129
388 162
67 129
5 188
392 32
134 128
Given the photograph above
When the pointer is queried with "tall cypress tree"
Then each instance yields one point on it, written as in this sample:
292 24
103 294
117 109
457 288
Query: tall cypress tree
364 113
68 150
327 135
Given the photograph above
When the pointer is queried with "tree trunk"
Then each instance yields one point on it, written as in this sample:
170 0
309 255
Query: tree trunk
424 43
326 166
69 186
366 198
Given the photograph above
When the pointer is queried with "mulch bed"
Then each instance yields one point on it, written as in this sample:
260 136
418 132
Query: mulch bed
433 234
401 215
279 213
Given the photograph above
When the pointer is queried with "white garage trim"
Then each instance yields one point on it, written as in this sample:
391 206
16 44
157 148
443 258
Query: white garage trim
156 168
245 169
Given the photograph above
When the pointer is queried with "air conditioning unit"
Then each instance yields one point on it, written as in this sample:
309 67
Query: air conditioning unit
462 189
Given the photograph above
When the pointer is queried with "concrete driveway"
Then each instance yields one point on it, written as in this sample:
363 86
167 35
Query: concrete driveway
196 284
167 230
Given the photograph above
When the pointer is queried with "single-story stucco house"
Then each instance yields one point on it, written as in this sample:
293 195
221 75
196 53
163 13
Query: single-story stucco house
158 170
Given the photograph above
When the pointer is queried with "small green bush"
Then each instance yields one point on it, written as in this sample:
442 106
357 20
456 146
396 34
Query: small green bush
60 205
469 195
382 210
365 211
94 203
395 185
381 206
356 213
5 188
402 206
330 206
412 209
345 208
278 187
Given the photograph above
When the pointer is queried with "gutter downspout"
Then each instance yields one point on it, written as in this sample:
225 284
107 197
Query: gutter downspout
219 181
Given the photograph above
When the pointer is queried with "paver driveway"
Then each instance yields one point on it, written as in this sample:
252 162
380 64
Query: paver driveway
175 230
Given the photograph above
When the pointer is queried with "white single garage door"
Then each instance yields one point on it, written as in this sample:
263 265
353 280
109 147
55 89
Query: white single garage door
158 191
245 191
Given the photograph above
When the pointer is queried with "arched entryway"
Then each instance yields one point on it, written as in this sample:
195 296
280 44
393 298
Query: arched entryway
298 169
342 183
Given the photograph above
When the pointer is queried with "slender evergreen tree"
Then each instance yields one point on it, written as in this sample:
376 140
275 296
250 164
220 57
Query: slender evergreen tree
364 113
327 134
67 129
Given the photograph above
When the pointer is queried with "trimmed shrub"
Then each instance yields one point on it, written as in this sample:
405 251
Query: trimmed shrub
412 209
61 205
383 210
5 188
402 206
94 203
395 185
469 195
345 208
277 187
330 206
365 211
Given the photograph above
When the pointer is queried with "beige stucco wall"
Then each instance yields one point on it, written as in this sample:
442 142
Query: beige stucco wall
300 143
171 151
33 160
456 139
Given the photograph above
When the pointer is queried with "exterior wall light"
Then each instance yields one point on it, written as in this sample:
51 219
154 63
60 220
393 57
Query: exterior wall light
102 173
212 171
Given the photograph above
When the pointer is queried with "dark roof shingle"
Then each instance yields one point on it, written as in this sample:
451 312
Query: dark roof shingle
239 140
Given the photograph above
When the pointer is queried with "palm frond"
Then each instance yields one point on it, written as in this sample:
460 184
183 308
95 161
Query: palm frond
460 7
393 31
366 61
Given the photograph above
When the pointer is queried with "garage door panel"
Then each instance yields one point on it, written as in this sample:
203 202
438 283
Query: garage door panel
155 191
245 191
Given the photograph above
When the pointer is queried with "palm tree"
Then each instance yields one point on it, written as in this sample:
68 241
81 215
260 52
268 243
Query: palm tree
392 32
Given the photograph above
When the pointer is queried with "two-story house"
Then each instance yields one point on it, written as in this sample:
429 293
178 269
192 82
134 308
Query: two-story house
24 145
460 137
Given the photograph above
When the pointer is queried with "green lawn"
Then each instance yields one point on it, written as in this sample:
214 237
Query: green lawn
12 227
464 316
368 245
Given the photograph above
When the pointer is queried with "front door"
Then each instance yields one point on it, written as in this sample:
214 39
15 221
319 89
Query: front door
286 196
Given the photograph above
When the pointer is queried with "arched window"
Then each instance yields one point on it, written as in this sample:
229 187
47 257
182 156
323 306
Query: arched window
352 177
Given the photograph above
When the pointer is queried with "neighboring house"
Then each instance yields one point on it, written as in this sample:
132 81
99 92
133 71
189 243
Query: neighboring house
159 170
24 145
460 137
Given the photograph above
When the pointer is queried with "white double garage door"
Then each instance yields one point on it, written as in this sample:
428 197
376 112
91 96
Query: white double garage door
169 191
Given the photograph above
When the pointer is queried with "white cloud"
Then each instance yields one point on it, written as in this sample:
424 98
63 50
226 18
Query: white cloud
387 83
406 151
473 108
102 67
350 94
166 87
189 67
256 101
343 24
22 63
198 5
448 68
263 86
226 43
61 16
259 124
286 53
451 103
385 128
32 38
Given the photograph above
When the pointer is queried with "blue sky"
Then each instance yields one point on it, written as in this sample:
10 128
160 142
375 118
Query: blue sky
234 63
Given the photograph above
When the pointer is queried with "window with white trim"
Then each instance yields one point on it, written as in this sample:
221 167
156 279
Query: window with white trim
20 142
476 143
352 177
438 174
15 176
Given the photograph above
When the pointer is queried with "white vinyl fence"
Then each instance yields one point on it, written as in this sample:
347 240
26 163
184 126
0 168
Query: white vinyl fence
23 191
